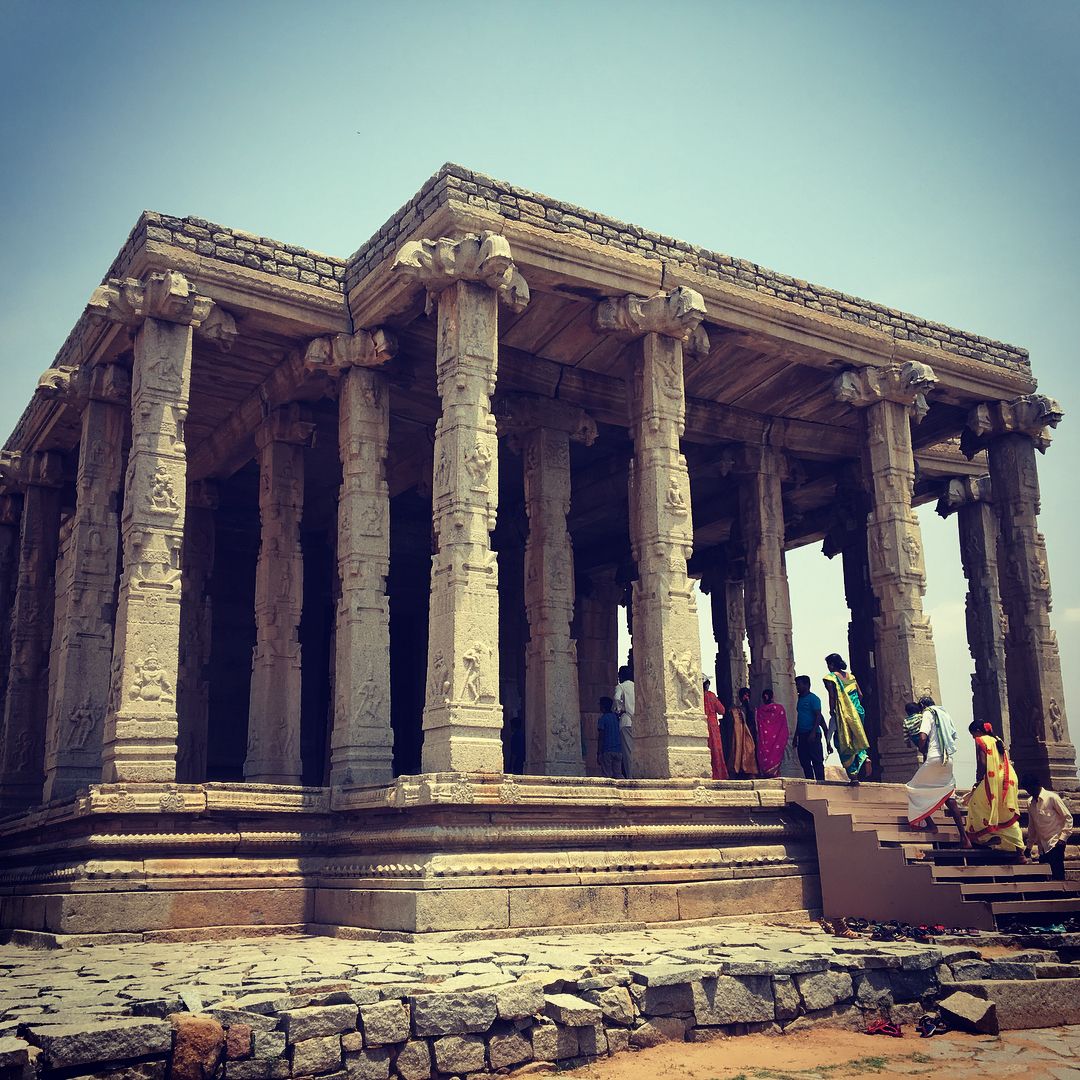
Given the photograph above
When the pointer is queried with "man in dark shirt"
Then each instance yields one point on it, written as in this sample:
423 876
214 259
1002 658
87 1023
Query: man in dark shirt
608 741
807 742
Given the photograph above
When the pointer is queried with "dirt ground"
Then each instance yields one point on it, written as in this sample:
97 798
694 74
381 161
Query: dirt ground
829 1054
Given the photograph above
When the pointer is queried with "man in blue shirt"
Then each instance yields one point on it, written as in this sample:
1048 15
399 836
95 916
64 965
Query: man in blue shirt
807 741
608 741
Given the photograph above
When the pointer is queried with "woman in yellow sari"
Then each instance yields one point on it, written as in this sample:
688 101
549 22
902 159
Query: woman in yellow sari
993 814
846 710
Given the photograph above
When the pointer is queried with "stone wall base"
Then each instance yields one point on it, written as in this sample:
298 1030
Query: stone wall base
444 853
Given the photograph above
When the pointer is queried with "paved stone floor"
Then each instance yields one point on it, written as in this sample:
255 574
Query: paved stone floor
112 978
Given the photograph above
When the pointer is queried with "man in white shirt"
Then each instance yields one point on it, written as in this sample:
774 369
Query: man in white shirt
624 710
1050 824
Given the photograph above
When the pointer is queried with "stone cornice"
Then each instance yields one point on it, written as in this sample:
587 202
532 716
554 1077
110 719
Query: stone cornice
483 257
1033 415
335 354
676 314
21 470
904 384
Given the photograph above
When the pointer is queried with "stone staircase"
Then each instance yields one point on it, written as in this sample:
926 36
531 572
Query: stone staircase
872 865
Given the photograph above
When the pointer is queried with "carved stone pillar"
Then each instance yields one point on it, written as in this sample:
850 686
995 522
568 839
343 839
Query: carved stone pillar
22 741
596 630
1011 433
10 511
465 279
906 661
140 722
361 739
196 621
670 736
724 585
970 499
542 429
273 741
847 537
83 652
768 601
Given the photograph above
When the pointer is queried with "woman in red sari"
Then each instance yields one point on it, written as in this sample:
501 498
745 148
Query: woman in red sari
714 709
772 734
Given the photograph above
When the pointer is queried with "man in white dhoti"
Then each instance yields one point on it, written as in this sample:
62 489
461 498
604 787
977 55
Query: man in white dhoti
933 786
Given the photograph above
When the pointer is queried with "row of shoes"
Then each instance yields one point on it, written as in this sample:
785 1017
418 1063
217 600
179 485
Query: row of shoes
928 1026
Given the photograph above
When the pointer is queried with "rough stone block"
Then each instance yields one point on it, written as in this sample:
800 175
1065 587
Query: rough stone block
970 969
1030 1003
460 1054
257 1069
453 1014
14 1052
970 1013
824 989
570 1010
509 1047
913 985
352 1042
786 997
592 1041
198 1043
731 1000
238 1042
318 1055
368 1064
614 1003
553 1042
268 1044
385 1023
1003 969
66 1045
660 1029
873 989
413 1061
229 1016
665 1000
318 1021
618 1040
137 1070
519 1000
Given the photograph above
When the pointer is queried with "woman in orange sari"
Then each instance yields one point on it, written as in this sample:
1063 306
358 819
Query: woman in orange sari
714 709
993 813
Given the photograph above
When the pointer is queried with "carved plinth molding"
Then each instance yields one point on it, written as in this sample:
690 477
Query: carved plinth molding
670 737
465 277
273 735
26 705
141 719
361 741
86 602
906 663
483 258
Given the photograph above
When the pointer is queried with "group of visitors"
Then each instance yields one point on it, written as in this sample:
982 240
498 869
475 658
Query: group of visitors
747 742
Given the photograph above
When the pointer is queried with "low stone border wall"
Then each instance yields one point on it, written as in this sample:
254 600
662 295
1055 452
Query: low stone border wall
361 1032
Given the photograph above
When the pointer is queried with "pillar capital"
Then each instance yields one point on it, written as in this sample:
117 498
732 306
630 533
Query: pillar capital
289 424
167 295
905 384
337 353
676 314
517 414
38 468
752 458
964 491
481 257
1033 415
74 386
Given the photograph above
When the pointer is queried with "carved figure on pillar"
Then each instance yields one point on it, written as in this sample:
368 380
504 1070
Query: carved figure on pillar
273 742
140 722
465 279
670 735
85 611
906 662
22 739
768 600
1011 432
970 498
361 739
542 429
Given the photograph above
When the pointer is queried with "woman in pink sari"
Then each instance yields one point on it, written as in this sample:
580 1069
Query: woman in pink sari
772 727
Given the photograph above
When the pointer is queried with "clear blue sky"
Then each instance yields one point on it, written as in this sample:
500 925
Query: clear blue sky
920 154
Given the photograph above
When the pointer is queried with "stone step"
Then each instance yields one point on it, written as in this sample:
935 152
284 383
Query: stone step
978 872
1007 889
1070 905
